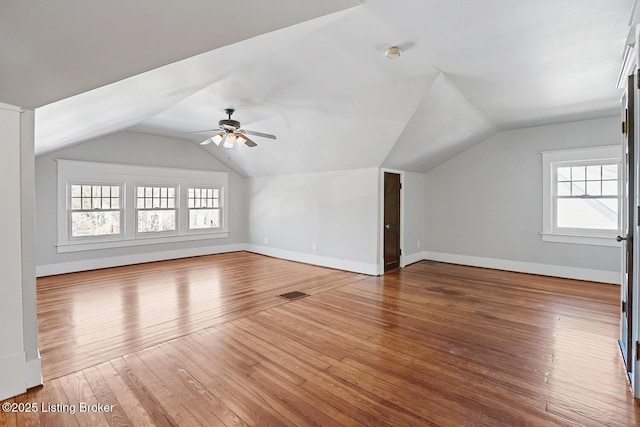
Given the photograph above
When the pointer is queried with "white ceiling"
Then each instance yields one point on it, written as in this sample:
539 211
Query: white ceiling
312 74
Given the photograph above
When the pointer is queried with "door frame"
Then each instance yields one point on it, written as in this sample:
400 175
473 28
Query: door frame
629 67
381 172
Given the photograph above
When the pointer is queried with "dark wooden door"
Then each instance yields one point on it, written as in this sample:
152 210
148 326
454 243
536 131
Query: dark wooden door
391 221
626 338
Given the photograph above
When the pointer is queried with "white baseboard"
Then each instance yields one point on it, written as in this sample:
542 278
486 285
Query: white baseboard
93 264
34 372
13 372
410 259
323 261
592 275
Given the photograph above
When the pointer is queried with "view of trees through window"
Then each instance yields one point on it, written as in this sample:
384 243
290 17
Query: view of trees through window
95 210
156 208
204 208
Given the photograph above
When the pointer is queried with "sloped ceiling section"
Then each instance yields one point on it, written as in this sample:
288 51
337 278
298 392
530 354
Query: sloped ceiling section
444 125
469 68
51 50
161 93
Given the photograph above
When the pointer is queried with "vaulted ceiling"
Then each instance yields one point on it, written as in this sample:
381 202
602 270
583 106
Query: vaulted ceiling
313 73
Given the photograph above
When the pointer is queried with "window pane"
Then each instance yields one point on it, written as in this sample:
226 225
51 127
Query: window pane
171 203
156 221
147 203
96 191
564 189
593 188
75 191
190 192
115 191
115 203
86 191
172 192
216 193
106 203
106 191
86 203
578 173
578 188
610 172
76 203
163 192
588 213
204 218
593 173
140 191
96 204
216 203
95 223
609 188
148 192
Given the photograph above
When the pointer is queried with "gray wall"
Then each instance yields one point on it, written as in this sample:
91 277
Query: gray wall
336 210
487 201
414 193
138 149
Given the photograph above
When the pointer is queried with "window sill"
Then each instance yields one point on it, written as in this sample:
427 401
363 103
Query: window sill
78 246
581 239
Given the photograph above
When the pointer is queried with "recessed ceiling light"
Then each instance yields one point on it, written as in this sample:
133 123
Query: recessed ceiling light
393 52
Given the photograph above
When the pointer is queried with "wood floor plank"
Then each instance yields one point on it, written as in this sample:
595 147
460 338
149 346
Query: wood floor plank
207 341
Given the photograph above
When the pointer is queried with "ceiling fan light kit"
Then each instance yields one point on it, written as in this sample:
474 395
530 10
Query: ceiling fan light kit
230 133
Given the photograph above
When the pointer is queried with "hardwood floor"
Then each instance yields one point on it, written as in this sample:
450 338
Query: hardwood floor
206 341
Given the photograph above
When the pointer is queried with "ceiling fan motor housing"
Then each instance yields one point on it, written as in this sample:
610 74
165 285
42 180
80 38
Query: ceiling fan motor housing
229 124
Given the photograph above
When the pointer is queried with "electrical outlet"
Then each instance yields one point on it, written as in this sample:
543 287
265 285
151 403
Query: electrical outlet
266 240
314 246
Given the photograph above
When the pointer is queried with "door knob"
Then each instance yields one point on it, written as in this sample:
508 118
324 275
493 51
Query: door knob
388 226
620 238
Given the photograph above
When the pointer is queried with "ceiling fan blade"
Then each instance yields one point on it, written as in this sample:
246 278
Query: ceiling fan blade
206 141
200 131
252 132
248 142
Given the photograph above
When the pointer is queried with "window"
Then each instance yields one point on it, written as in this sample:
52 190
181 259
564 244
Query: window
104 205
582 195
94 210
204 208
156 209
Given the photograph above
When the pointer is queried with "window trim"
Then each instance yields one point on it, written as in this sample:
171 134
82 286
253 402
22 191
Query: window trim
70 211
175 209
189 209
73 171
551 160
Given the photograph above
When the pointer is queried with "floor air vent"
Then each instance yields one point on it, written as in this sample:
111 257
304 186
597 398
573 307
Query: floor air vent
293 295
429 262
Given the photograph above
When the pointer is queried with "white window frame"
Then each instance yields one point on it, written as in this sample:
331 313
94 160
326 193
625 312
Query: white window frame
69 211
176 209
72 171
551 161
189 209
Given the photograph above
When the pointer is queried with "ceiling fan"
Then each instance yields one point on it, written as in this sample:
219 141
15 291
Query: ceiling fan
229 133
